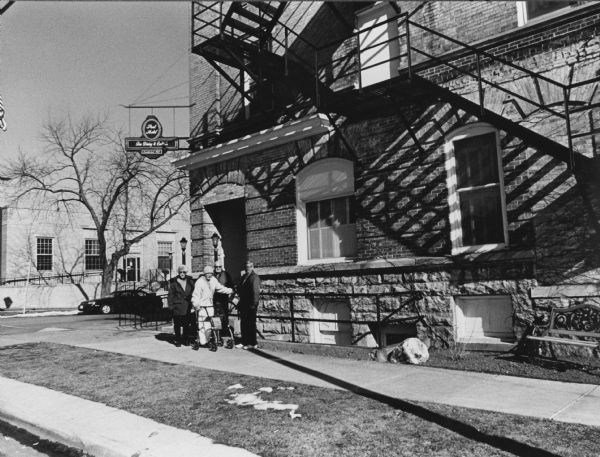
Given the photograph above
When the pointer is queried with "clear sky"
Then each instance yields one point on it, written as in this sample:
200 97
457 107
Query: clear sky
91 57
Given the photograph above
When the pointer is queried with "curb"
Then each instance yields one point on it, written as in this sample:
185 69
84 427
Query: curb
98 429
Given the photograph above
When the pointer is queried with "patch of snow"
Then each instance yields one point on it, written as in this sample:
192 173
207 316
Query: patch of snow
256 402
53 329
266 389
44 313
286 388
236 386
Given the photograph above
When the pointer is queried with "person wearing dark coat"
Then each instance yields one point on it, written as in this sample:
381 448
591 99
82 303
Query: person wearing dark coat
180 303
221 301
249 293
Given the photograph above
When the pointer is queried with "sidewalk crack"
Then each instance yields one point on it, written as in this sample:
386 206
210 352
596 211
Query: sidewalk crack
571 403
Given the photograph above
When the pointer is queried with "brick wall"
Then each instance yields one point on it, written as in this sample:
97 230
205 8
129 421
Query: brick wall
401 196
466 21
400 183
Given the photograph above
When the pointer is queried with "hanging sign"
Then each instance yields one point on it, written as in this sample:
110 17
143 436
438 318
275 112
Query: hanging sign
151 128
151 144
137 144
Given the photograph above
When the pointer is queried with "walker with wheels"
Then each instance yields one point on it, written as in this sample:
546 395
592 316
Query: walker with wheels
210 326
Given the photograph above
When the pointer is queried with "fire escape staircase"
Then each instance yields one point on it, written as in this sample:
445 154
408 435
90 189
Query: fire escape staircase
245 38
243 41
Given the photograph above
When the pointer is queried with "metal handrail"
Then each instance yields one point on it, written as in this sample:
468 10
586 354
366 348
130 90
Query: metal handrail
41 279
378 321
472 55
487 54
491 83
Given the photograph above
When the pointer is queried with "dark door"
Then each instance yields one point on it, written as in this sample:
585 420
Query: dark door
229 217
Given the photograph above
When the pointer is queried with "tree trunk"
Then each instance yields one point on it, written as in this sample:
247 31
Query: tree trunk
107 279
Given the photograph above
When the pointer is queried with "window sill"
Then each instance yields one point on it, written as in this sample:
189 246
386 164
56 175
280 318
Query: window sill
551 16
362 267
327 260
478 249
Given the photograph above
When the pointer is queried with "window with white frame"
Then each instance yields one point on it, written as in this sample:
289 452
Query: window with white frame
164 259
475 189
532 9
92 255
44 254
325 211
378 43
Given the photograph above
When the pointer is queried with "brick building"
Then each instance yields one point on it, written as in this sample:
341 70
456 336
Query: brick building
432 166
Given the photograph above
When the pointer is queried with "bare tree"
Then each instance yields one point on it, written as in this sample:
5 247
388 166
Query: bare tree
85 165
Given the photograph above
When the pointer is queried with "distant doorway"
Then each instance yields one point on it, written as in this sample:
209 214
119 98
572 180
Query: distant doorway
131 266
229 217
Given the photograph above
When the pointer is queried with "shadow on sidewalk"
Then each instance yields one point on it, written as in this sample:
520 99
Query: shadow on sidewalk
466 430
168 337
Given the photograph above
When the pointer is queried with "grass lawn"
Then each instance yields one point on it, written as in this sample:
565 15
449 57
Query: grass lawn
333 422
564 369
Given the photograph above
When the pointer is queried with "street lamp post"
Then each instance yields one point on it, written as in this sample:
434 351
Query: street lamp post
183 243
215 242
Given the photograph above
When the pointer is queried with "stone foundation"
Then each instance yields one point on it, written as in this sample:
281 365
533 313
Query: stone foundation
401 291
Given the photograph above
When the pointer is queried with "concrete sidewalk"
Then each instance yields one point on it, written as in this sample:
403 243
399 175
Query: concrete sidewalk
101 428
567 402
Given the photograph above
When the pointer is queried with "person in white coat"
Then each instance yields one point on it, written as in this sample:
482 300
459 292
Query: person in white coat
202 301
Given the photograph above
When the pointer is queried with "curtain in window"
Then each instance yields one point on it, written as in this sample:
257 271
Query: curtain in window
326 189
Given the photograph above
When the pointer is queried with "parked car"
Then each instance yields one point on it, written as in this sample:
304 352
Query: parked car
124 301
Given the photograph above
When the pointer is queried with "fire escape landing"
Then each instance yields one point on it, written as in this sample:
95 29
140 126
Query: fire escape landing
249 38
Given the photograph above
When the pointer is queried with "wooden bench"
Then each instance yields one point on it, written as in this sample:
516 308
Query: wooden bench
580 321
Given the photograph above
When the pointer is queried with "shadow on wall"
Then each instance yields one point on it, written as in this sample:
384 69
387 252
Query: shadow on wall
402 202
567 248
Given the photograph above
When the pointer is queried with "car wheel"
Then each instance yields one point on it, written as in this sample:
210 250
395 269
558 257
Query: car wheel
106 309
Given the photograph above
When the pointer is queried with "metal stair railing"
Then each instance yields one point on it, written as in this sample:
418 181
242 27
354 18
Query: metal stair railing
464 60
50 280
482 57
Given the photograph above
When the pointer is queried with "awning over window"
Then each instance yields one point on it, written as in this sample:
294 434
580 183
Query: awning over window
316 124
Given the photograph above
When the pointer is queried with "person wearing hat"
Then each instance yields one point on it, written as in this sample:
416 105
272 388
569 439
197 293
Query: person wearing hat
202 300
221 301
179 300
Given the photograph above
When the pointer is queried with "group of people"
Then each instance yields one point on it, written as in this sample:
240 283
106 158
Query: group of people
192 302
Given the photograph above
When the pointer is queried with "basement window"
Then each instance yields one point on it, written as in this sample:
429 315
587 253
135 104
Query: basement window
325 212
475 190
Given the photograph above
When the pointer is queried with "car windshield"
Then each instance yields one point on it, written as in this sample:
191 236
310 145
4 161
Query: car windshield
119 293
